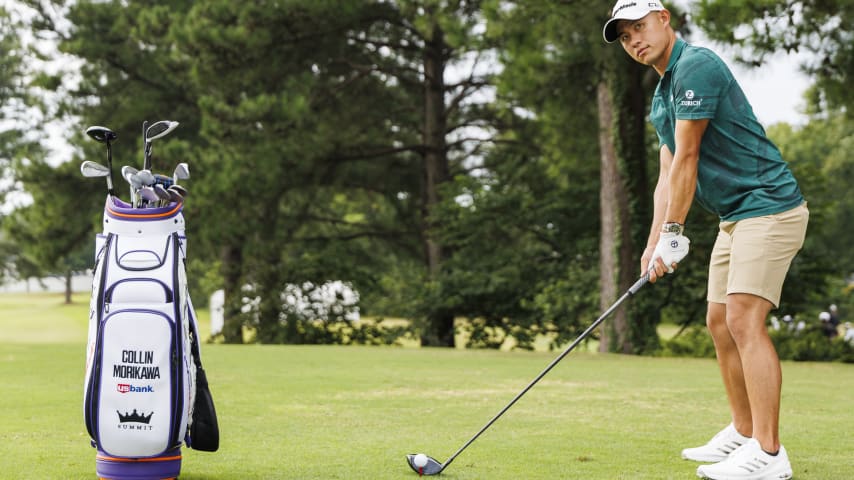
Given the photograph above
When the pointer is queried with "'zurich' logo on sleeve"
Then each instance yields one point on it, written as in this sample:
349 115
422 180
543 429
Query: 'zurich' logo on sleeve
689 100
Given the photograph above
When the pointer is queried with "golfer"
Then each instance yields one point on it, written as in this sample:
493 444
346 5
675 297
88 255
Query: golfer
713 149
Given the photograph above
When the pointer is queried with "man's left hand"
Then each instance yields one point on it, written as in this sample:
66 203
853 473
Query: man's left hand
671 249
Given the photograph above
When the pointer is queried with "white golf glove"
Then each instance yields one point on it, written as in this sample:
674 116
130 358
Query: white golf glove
671 248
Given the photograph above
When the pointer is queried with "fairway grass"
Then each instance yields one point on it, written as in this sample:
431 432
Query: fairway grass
331 412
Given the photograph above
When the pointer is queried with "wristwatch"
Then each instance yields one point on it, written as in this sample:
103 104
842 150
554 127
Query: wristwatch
672 227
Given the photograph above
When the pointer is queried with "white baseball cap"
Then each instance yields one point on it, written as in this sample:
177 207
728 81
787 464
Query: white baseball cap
824 316
628 10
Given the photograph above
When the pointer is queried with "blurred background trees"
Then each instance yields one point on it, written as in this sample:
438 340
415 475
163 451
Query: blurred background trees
478 165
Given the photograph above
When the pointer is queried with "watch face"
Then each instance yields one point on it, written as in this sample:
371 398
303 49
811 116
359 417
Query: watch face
672 228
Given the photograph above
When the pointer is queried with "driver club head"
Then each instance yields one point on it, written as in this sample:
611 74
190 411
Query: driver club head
159 129
101 134
92 169
433 467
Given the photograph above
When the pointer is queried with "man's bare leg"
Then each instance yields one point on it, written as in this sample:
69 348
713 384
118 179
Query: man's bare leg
760 365
730 363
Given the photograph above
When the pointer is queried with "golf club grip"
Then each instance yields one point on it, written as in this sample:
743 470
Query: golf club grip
631 291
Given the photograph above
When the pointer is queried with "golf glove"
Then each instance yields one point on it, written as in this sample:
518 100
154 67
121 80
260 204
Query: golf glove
671 248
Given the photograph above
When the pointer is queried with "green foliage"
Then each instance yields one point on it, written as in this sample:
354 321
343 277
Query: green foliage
55 246
307 131
763 27
811 345
693 341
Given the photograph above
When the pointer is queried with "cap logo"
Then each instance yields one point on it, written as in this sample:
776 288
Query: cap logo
624 6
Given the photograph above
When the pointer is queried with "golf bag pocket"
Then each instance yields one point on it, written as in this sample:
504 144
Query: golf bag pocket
139 386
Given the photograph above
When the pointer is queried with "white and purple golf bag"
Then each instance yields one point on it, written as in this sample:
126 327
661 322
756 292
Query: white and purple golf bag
145 393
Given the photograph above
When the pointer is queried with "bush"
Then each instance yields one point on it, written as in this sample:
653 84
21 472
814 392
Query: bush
811 345
692 342
808 345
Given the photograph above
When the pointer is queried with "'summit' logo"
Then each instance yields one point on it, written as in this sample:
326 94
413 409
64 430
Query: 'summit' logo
134 417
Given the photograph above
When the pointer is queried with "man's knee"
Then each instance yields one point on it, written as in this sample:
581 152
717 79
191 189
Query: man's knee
716 320
745 316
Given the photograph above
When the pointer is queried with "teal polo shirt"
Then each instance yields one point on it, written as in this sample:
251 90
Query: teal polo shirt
740 174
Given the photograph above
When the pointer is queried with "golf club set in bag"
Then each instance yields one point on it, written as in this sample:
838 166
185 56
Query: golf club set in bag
145 391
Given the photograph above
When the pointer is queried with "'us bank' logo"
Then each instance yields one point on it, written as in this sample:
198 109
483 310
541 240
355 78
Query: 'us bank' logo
128 388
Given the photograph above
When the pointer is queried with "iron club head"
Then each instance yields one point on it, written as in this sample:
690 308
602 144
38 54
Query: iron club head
179 189
433 466
146 177
174 195
93 169
151 198
127 171
161 192
182 172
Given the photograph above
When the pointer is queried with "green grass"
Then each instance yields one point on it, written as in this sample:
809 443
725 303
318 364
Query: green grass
327 412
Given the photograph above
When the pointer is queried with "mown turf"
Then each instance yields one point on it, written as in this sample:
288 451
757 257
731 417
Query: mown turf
325 412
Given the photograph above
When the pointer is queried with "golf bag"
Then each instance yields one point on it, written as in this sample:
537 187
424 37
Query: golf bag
145 392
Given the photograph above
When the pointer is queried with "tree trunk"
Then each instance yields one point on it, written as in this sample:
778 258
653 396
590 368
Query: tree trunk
621 103
612 213
440 323
68 277
232 259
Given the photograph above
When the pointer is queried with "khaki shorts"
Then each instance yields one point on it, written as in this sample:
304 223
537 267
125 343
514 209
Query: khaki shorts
754 254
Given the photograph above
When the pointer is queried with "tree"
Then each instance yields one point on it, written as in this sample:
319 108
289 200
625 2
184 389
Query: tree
55 246
762 27
591 102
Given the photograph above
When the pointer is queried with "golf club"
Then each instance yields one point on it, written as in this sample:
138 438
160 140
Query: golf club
105 135
161 192
146 177
92 169
149 197
434 467
182 172
179 189
174 195
130 175
156 130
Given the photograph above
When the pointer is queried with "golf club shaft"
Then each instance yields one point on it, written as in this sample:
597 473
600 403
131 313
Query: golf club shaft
110 167
631 291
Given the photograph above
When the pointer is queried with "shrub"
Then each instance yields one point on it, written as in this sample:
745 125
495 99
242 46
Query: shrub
692 342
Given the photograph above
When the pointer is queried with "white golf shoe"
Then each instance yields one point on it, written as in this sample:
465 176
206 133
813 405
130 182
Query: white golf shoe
749 462
718 448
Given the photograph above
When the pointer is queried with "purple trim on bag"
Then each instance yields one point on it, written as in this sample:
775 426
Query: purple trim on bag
163 466
119 209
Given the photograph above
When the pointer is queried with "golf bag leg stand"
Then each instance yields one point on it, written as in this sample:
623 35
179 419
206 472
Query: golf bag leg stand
140 383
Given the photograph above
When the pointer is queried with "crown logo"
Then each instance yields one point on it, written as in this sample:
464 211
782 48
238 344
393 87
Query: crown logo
134 417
